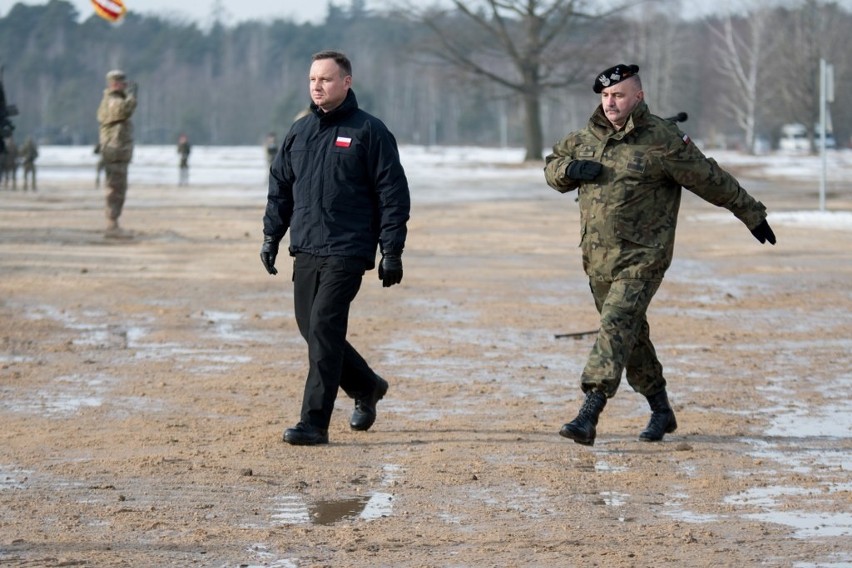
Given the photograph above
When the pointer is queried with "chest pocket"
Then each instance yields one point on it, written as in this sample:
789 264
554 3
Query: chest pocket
347 176
636 162
585 152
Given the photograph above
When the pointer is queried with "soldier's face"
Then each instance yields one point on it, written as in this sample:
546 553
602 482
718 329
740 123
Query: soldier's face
619 101
328 86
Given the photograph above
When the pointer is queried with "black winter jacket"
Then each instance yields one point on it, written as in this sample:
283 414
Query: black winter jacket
338 185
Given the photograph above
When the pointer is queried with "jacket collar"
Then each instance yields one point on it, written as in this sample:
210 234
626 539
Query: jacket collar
347 107
637 118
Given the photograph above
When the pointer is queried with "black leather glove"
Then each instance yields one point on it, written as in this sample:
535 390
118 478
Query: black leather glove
390 269
763 233
268 252
583 170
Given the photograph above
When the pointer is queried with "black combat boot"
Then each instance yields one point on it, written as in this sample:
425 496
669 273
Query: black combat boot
582 429
662 418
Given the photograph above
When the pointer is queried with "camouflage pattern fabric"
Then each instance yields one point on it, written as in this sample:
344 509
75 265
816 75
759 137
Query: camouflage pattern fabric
623 339
116 128
116 188
116 146
629 212
9 166
628 217
29 153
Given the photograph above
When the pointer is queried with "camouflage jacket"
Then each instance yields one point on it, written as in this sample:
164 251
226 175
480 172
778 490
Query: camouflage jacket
116 128
28 153
628 214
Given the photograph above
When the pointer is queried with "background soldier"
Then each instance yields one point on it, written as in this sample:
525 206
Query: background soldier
10 164
629 167
116 142
100 165
270 148
183 149
29 153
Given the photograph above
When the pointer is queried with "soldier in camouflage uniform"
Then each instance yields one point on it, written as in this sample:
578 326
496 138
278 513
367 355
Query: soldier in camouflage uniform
183 150
9 167
629 167
29 153
116 142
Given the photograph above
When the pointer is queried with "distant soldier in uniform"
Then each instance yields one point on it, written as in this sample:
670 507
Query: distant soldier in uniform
100 165
183 149
629 167
29 153
271 148
116 140
10 164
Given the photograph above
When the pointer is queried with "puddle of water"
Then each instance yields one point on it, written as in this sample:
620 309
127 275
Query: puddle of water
225 325
690 517
841 560
797 419
806 524
12 478
614 499
765 497
293 509
809 525
67 395
603 466
268 558
329 512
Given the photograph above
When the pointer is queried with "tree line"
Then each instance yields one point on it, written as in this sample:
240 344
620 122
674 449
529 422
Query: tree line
478 72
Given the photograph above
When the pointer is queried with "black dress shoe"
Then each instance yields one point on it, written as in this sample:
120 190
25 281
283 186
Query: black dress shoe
305 435
365 408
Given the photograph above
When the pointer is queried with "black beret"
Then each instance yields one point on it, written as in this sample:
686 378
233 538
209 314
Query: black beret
614 75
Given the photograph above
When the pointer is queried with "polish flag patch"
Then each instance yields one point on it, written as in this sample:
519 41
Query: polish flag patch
343 142
686 139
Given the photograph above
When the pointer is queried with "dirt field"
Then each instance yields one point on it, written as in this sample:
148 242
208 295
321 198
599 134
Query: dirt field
145 385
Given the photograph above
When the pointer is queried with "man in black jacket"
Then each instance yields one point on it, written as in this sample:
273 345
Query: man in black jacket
337 184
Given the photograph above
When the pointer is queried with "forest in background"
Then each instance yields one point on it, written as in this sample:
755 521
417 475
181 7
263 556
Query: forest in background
233 84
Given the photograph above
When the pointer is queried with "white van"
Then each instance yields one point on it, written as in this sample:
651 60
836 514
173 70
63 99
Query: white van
794 138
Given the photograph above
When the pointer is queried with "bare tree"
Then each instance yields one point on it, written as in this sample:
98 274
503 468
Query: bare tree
525 46
812 31
741 52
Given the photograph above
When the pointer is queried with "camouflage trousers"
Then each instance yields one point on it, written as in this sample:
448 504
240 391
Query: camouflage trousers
30 174
623 341
116 188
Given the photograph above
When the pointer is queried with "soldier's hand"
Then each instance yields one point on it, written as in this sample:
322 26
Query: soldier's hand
268 252
763 233
390 270
132 88
583 170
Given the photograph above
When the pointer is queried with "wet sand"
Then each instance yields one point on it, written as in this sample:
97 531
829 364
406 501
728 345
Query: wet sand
145 384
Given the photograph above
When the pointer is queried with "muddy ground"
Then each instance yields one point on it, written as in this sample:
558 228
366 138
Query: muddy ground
145 384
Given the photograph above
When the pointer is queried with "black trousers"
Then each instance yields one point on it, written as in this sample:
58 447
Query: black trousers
323 289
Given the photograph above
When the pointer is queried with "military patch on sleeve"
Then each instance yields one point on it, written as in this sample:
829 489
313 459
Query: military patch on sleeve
686 139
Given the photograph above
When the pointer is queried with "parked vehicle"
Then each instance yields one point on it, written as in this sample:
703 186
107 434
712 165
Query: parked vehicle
794 138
